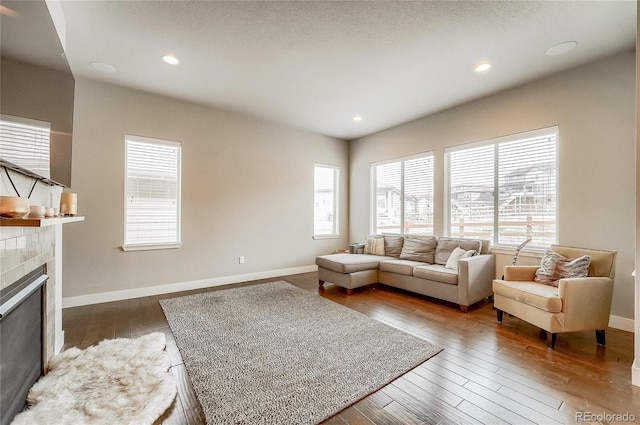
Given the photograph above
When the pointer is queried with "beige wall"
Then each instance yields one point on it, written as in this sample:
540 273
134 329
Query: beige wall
594 107
636 364
247 190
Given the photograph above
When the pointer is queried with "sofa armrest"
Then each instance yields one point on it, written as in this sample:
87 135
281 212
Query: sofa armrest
520 273
475 276
586 302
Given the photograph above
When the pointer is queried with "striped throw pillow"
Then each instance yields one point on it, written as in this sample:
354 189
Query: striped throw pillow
554 267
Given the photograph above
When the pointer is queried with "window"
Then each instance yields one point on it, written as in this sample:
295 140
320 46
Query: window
152 194
25 142
522 170
402 195
325 201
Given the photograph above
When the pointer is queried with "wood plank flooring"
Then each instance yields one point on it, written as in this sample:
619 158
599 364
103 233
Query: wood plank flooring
488 373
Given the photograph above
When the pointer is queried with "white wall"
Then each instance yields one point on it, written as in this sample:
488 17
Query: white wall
594 107
247 190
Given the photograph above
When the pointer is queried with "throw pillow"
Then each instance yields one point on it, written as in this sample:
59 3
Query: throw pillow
374 246
456 255
554 267
393 245
446 246
419 248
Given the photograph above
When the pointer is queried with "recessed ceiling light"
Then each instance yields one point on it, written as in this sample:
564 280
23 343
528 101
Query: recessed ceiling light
357 118
482 67
103 67
562 48
171 60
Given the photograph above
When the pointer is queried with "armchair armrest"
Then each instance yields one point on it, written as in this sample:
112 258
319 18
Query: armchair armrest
475 276
586 302
520 273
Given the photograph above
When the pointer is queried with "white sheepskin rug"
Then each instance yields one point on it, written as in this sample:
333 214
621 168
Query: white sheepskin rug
118 381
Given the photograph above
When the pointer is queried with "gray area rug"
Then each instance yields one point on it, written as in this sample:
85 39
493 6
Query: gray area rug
276 354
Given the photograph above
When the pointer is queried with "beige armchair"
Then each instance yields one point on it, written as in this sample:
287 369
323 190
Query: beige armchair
577 304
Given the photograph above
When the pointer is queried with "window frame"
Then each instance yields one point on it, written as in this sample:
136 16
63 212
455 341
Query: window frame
155 245
373 202
336 202
522 136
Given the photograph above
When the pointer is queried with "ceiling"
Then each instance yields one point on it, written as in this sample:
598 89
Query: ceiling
315 65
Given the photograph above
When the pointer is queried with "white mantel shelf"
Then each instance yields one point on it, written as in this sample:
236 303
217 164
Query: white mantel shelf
38 222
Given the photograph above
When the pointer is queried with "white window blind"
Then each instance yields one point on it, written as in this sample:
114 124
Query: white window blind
25 142
152 193
504 189
402 195
325 199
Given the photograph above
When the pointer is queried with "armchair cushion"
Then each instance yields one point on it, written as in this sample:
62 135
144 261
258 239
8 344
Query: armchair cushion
554 267
534 294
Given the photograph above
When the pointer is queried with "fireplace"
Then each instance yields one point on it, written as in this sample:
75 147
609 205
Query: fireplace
22 327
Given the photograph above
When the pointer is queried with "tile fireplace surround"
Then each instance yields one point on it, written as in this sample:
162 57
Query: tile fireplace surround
22 250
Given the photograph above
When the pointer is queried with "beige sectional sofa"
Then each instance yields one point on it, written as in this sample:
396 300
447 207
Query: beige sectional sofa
426 265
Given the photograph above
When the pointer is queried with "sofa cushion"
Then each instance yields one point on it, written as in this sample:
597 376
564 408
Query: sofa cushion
437 272
374 245
419 248
350 263
535 294
400 266
393 245
445 247
554 267
456 255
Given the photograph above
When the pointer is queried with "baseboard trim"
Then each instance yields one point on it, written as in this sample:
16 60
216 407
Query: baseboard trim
59 342
635 373
127 294
621 323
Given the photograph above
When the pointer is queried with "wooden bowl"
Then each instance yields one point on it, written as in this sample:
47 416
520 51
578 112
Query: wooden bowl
13 206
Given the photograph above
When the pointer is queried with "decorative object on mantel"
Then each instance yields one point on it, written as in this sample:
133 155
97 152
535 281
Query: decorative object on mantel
68 204
37 211
118 381
13 206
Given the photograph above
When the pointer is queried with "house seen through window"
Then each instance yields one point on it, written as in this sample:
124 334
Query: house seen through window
152 193
402 197
325 201
504 189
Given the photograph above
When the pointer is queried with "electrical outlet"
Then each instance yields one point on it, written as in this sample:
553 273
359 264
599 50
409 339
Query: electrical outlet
240 260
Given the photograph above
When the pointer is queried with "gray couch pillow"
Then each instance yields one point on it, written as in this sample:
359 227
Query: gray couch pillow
419 248
446 246
393 245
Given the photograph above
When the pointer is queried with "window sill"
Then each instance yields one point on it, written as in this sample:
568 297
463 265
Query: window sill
149 247
531 252
317 237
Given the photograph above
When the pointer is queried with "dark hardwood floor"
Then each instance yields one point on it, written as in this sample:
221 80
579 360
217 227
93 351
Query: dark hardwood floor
487 373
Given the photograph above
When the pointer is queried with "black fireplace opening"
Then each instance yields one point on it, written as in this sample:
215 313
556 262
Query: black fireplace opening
21 341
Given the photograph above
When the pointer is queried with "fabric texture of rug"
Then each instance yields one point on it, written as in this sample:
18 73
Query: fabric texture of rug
118 381
276 354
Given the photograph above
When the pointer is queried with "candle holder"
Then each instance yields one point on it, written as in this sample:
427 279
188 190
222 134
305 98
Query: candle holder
68 204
